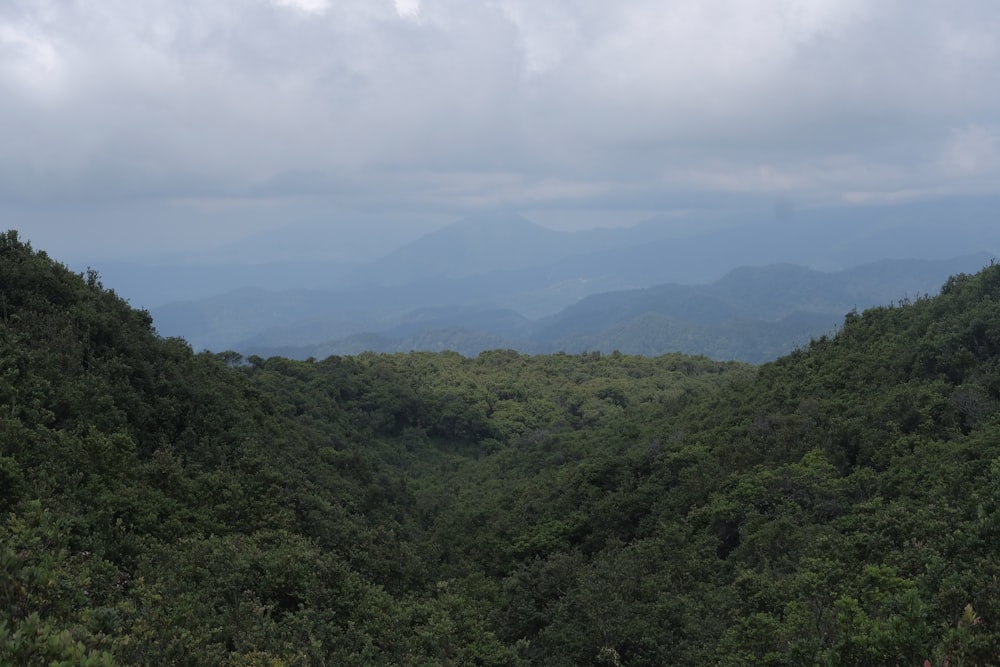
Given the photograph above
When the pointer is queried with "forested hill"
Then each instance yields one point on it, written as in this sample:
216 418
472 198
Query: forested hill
836 507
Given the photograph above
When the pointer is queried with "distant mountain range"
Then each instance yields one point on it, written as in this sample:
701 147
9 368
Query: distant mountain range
753 314
503 281
541 270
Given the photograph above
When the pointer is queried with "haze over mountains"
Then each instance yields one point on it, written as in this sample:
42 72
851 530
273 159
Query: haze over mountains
213 470
741 291
753 314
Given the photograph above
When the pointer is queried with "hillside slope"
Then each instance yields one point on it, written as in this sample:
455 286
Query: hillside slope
837 506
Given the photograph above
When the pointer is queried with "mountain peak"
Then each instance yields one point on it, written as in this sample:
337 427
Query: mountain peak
475 245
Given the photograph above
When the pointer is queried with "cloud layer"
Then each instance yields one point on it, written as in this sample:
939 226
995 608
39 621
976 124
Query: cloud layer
456 105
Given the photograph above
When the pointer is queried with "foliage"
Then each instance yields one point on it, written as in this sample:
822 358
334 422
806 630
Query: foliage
837 506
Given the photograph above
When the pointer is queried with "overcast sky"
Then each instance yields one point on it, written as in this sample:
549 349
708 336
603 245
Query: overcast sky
134 126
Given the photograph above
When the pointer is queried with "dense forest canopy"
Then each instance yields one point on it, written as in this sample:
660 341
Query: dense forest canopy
836 507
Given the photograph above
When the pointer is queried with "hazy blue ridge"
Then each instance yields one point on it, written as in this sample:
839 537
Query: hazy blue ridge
572 288
752 314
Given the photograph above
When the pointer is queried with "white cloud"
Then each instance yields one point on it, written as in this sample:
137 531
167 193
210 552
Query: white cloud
446 103
29 59
304 6
548 33
408 9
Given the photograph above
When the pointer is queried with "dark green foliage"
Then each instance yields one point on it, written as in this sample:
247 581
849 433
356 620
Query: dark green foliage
837 506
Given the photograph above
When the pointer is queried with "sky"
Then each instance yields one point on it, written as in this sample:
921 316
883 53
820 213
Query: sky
154 128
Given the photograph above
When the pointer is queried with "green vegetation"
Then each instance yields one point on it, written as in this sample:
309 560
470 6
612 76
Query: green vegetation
839 506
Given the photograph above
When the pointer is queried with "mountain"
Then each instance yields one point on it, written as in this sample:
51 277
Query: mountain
538 271
499 243
752 314
462 329
310 316
503 261
837 506
468 247
153 286
764 293
690 250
